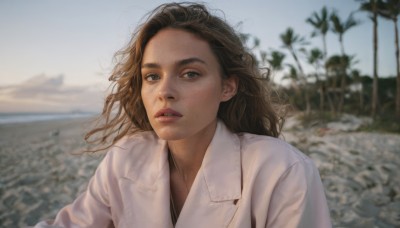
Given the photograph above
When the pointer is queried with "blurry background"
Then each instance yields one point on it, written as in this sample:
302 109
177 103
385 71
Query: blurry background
55 56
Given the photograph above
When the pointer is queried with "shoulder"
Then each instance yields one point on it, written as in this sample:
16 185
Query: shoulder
132 144
271 155
267 147
133 152
282 182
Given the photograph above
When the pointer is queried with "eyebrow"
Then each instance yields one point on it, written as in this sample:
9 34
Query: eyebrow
180 63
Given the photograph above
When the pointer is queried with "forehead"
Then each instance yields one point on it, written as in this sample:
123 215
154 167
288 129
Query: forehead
171 45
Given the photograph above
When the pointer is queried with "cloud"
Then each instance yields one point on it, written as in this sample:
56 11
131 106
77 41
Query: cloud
43 93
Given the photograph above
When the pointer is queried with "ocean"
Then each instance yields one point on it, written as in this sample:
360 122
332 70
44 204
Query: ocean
8 118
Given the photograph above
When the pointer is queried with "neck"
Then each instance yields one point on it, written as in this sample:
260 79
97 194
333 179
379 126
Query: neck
189 153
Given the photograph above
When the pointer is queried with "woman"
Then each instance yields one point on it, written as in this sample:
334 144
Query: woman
194 139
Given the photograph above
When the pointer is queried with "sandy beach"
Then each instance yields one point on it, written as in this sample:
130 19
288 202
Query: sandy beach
41 171
359 170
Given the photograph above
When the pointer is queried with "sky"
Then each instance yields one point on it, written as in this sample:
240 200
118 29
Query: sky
56 55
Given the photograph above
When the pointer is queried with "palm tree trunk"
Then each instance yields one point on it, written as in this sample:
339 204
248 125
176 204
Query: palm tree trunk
398 68
342 89
303 78
325 49
361 99
341 44
297 62
307 97
319 83
374 104
334 97
343 77
322 97
323 85
331 105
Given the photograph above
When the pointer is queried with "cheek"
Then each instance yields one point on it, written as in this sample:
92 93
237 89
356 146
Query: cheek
208 98
145 95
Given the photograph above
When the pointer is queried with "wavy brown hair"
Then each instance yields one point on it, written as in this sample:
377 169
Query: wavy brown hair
250 110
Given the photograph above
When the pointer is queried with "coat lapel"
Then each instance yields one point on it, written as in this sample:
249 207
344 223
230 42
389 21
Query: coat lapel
217 187
145 189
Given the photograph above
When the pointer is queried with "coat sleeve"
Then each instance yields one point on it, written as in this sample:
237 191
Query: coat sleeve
298 199
91 208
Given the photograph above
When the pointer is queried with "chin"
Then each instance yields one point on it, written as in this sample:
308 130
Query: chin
170 136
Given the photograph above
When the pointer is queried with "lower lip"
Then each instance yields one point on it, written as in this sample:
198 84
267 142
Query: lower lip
167 119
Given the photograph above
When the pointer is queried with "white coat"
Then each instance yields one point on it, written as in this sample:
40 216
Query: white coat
245 180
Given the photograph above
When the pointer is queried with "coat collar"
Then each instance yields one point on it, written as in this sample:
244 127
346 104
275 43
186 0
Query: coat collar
221 165
212 199
213 193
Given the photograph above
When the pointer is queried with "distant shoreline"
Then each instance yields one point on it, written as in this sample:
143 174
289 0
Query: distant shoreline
15 118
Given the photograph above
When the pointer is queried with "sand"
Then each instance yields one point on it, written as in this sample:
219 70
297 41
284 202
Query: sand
359 170
40 171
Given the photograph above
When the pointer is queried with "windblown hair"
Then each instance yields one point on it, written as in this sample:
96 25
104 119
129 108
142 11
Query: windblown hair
250 110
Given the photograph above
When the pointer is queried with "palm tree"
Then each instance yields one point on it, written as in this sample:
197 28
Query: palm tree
336 66
371 6
275 59
321 25
315 58
293 76
290 41
320 22
341 27
390 10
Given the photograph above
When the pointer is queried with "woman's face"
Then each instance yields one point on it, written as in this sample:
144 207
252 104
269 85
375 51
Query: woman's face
182 85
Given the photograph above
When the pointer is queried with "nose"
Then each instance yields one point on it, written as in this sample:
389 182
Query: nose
167 89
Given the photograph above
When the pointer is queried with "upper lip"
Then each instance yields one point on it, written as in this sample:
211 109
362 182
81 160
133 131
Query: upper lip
167 111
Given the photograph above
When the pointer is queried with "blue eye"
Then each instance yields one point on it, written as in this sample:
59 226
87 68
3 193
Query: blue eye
151 77
190 75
